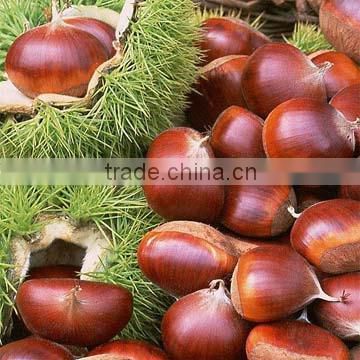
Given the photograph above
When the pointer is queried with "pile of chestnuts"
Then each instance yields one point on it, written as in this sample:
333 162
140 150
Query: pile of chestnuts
260 272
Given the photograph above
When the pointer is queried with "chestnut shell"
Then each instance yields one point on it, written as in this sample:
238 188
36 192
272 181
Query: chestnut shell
74 312
294 340
49 60
327 234
34 348
340 23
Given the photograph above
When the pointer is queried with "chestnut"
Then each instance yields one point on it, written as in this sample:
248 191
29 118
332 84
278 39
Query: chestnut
130 350
262 290
184 256
258 211
307 197
327 234
340 23
343 318
237 133
344 72
218 87
34 348
350 192
304 127
222 36
182 202
54 271
347 101
74 312
295 340
102 31
262 88
59 57
204 325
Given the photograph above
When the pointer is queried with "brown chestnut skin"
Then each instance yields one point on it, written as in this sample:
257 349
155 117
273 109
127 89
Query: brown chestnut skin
350 192
307 197
237 133
183 256
48 59
218 87
74 312
327 234
263 291
343 73
340 23
54 271
102 31
183 202
263 83
307 128
34 348
204 325
258 211
294 340
347 101
224 36
130 350
342 318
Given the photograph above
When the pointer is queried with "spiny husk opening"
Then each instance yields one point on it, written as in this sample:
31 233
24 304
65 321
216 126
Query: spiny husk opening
115 218
60 242
140 97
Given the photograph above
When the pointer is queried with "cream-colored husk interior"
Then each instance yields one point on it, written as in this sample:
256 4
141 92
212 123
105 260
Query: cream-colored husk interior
60 242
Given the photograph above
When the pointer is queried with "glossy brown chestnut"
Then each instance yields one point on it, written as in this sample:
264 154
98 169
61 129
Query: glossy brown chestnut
54 58
343 73
218 87
328 235
237 133
204 325
183 202
184 256
350 192
53 271
258 211
261 82
102 31
224 36
294 340
304 128
34 348
307 197
340 23
342 319
130 350
272 282
347 101
74 312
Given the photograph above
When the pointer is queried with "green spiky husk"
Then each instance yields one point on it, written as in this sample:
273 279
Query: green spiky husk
136 101
122 212
308 38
